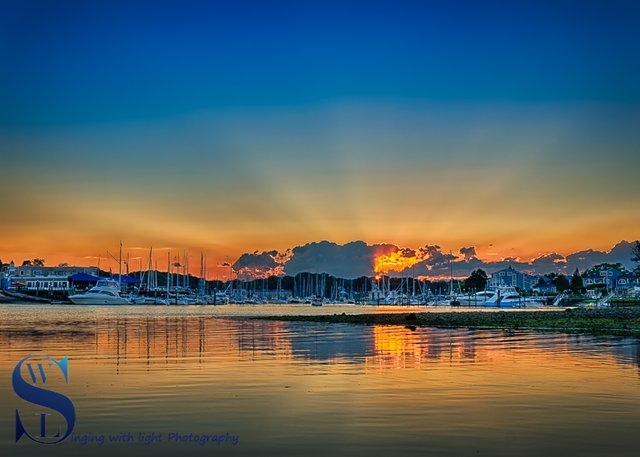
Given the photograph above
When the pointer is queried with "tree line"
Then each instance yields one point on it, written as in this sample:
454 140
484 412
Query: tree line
476 281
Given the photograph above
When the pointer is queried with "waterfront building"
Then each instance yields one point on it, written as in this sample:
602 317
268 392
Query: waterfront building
545 285
509 277
31 277
626 282
606 278
620 281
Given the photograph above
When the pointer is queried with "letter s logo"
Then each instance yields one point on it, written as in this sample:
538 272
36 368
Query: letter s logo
43 397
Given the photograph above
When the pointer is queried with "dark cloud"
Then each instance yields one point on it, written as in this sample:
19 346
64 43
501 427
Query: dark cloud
256 265
468 253
407 252
357 258
549 262
582 260
350 260
262 260
434 256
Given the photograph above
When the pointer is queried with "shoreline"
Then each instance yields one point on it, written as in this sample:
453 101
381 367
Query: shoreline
613 322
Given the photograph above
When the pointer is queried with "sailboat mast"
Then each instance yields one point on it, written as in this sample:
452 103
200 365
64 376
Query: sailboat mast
120 266
168 272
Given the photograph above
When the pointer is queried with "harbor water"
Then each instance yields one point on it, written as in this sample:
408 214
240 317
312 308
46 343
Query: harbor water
199 380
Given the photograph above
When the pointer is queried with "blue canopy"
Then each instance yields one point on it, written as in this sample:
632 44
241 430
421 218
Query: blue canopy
126 279
83 277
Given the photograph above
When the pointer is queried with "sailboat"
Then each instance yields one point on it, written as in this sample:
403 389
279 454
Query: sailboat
152 285
453 299
105 292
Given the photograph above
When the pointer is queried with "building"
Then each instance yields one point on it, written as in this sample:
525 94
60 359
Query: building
42 278
545 285
626 282
508 277
620 281
606 278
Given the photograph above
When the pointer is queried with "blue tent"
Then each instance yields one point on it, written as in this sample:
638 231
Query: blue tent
126 279
83 277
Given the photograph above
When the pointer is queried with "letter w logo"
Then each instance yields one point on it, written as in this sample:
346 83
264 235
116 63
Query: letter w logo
32 373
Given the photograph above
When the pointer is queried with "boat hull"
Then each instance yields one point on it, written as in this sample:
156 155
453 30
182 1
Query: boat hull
98 300
149 301
514 304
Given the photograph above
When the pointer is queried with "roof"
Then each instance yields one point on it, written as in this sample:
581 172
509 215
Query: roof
510 268
609 272
126 279
83 277
627 275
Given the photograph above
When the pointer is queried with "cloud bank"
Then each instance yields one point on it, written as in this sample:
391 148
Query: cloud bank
357 258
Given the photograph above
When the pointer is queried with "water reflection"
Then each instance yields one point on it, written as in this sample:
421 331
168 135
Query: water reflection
176 339
317 389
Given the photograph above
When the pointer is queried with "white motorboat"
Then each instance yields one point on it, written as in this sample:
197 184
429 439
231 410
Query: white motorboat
508 297
477 299
142 300
184 300
219 298
105 292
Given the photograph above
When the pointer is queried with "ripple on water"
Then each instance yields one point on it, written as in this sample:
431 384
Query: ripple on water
310 388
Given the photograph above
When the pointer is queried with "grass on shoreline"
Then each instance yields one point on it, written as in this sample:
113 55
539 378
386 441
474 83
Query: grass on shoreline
619 322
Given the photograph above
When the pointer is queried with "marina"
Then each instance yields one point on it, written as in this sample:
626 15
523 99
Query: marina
310 228
145 288
507 288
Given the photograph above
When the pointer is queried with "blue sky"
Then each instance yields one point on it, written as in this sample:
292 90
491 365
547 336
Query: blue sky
239 126
95 61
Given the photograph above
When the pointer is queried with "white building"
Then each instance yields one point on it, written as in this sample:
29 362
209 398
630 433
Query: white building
42 278
511 278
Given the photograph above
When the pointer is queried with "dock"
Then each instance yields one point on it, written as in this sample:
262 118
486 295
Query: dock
9 294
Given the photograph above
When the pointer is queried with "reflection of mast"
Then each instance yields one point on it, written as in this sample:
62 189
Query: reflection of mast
148 342
201 335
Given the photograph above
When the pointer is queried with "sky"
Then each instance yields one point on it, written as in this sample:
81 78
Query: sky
235 127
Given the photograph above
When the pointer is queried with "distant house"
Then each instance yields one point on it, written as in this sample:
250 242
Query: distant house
512 278
626 282
620 281
545 285
607 278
